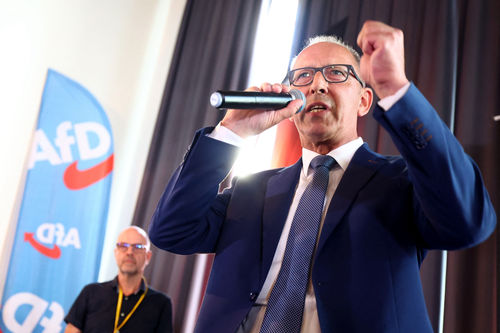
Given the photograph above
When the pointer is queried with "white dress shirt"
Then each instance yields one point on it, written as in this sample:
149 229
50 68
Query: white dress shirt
343 156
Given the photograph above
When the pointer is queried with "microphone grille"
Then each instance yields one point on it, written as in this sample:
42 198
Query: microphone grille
297 94
216 99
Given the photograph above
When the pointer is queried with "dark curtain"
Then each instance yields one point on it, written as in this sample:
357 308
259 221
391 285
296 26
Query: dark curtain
452 55
472 294
213 51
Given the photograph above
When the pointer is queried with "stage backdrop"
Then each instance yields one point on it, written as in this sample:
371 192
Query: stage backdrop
61 225
213 51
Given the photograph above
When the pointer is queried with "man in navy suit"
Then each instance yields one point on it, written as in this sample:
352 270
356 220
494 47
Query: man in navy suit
381 214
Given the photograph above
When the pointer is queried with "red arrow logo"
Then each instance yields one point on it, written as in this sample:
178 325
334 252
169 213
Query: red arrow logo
75 179
53 253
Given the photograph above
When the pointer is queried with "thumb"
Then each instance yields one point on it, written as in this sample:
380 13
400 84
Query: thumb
289 111
295 106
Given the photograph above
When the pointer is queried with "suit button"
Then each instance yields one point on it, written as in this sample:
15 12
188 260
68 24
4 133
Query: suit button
253 296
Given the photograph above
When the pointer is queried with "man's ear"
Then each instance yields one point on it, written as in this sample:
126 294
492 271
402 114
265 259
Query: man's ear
365 101
148 256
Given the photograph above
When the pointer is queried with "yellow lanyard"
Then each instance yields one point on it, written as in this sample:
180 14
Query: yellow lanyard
119 306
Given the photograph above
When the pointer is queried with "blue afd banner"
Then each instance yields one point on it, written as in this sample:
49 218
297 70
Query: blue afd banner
60 230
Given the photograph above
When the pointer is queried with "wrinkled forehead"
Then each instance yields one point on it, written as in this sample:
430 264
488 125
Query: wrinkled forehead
322 54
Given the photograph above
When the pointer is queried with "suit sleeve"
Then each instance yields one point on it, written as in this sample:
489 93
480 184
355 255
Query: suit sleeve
190 213
452 206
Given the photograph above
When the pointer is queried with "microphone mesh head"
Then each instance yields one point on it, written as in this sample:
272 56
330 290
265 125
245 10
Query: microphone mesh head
216 99
297 94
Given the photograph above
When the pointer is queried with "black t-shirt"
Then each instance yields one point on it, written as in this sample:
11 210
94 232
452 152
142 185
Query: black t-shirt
94 310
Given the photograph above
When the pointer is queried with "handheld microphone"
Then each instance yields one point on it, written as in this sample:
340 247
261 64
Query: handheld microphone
224 99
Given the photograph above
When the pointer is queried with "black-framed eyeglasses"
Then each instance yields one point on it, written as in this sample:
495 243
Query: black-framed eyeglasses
135 247
335 73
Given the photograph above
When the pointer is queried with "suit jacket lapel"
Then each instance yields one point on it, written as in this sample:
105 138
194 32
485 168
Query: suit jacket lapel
279 195
361 168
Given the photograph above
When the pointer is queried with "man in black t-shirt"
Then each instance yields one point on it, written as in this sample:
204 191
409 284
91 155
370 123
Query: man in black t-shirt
126 303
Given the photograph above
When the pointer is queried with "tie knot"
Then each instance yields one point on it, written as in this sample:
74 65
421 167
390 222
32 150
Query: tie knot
323 160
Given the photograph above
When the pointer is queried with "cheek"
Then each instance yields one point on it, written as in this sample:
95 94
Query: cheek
296 119
304 90
348 106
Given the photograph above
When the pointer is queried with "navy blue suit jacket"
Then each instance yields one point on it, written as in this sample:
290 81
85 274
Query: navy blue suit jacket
386 212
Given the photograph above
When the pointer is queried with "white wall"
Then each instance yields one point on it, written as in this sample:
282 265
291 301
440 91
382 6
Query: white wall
120 50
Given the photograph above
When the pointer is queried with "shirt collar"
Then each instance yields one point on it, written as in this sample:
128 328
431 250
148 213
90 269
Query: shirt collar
114 284
342 154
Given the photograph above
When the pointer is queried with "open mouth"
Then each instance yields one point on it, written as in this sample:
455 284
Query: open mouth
317 107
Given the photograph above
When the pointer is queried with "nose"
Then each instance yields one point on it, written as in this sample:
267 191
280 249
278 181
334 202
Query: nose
319 85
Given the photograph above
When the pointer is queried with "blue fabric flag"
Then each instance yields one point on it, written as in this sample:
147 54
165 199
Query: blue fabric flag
62 220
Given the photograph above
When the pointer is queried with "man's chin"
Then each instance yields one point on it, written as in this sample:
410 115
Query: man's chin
319 133
129 271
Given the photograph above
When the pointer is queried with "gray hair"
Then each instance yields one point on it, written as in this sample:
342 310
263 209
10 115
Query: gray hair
329 39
